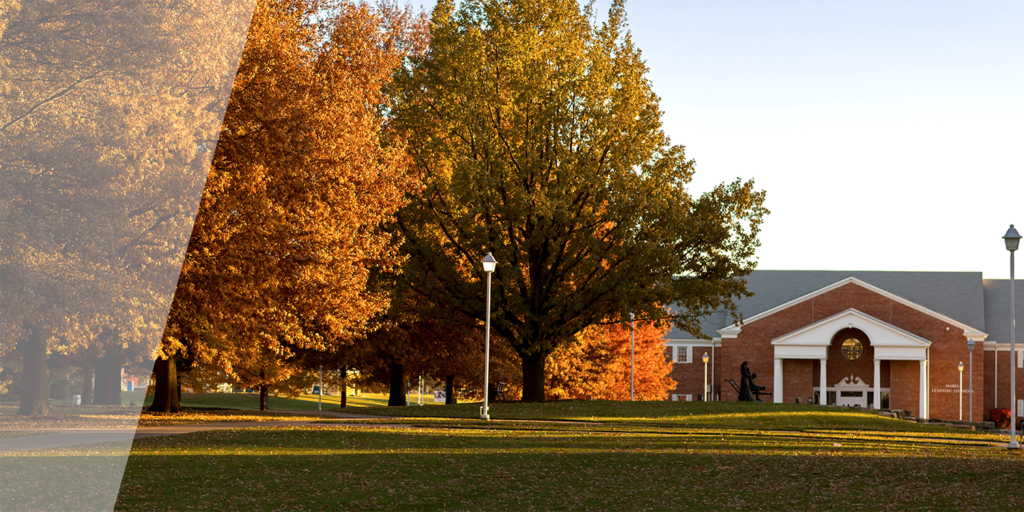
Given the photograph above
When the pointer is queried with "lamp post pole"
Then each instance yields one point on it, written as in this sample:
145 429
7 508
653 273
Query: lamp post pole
706 376
489 264
960 368
970 376
1012 239
632 365
320 393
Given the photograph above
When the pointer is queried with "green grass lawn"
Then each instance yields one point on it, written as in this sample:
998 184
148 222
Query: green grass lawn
580 455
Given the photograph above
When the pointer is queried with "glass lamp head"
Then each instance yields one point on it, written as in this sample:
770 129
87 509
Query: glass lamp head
705 358
489 263
960 366
1012 239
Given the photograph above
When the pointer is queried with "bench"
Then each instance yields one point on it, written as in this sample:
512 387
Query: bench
757 391
499 391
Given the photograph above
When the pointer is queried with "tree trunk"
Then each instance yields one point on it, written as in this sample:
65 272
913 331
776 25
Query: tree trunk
114 376
344 387
87 384
101 392
449 391
35 389
263 396
533 376
165 398
397 396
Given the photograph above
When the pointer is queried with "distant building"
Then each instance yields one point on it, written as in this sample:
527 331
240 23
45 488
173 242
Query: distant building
862 338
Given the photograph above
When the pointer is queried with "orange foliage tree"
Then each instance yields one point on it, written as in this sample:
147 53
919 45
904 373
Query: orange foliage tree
105 124
597 365
287 234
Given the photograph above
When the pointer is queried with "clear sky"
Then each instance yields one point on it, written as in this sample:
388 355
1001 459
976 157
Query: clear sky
889 135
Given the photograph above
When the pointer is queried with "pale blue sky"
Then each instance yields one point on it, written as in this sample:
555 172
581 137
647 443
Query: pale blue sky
889 135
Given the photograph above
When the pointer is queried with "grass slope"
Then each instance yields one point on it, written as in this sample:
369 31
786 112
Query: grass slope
576 455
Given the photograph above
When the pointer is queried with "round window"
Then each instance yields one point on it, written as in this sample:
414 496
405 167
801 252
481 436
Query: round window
852 349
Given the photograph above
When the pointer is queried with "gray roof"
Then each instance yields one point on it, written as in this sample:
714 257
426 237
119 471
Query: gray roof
958 295
997 310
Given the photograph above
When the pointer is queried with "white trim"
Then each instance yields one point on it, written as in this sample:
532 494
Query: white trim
685 398
688 342
991 346
835 323
731 331
813 341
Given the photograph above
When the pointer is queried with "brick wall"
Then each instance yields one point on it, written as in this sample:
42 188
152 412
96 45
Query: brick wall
690 376
798 382
905 380
1004 380
948 348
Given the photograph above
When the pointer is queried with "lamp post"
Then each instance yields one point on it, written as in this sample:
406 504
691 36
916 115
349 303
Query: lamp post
1012 239
960 368
970 377
632 365
489 265
706 358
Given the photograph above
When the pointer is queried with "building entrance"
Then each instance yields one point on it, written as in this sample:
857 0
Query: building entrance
852 392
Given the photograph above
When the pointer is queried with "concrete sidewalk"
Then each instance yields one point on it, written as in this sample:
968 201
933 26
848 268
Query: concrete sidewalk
59 438
204 427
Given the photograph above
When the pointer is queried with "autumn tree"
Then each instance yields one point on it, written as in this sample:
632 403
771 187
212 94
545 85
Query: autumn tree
106 125
540 139
598 364
288 230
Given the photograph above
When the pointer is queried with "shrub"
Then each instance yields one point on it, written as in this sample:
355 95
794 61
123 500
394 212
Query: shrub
1001 417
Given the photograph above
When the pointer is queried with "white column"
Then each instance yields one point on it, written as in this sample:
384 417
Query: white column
878 383
927 390
922 401
777 392
822 384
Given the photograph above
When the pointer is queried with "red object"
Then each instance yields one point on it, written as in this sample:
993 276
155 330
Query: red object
1001 417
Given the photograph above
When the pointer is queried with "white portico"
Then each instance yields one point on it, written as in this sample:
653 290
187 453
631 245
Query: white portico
890 343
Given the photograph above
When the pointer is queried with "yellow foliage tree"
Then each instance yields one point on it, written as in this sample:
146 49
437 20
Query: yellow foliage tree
539 136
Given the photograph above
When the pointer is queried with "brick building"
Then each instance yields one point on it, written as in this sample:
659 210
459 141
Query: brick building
860 339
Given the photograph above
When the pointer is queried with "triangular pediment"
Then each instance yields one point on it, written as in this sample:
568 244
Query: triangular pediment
879 333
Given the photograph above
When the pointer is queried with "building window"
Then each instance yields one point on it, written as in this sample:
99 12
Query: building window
682 354
852 349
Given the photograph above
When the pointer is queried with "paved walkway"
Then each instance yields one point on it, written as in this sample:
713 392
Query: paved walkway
63 437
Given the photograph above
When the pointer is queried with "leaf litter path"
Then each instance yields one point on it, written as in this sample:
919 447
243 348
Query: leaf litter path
63 437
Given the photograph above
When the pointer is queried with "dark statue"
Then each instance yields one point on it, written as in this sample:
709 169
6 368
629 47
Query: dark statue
749 391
